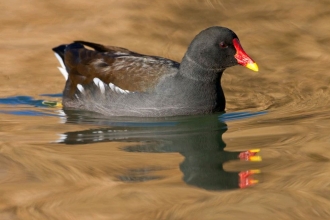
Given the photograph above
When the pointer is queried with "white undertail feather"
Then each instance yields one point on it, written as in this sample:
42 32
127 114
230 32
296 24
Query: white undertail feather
62 68
64 72
81 88
112 86
99 84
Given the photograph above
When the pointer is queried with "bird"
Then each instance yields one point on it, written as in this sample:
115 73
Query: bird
114 81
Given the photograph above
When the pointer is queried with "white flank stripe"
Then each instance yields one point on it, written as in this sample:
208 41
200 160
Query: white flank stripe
81 88
117 89
112 86
100 84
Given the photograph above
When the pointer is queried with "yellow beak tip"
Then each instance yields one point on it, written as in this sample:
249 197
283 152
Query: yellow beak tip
252 66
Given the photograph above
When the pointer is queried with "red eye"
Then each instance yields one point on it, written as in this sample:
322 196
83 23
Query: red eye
223 45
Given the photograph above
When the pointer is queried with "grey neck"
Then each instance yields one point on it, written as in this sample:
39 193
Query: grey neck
195 71
208 79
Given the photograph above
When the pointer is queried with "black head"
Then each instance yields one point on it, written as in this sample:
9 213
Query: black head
217 48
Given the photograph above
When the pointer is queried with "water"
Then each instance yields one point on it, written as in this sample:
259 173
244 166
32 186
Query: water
77 165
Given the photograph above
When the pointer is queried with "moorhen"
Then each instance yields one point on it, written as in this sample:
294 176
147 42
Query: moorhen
115 81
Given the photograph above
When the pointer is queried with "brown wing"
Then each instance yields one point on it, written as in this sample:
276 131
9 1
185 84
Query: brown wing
126 69
109 49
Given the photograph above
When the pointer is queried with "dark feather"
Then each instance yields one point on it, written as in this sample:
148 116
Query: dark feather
126 69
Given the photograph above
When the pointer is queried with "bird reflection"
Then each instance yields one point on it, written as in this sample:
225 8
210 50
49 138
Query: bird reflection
197 138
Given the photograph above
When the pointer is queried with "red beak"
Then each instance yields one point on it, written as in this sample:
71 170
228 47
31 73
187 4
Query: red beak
242 58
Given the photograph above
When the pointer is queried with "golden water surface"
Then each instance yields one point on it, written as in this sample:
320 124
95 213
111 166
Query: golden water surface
44 177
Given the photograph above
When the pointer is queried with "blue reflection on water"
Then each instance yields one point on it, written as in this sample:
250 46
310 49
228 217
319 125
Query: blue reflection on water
24 101
239 115
21 100
27 113
57 95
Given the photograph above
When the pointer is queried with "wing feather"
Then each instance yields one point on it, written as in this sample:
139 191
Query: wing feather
126 69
